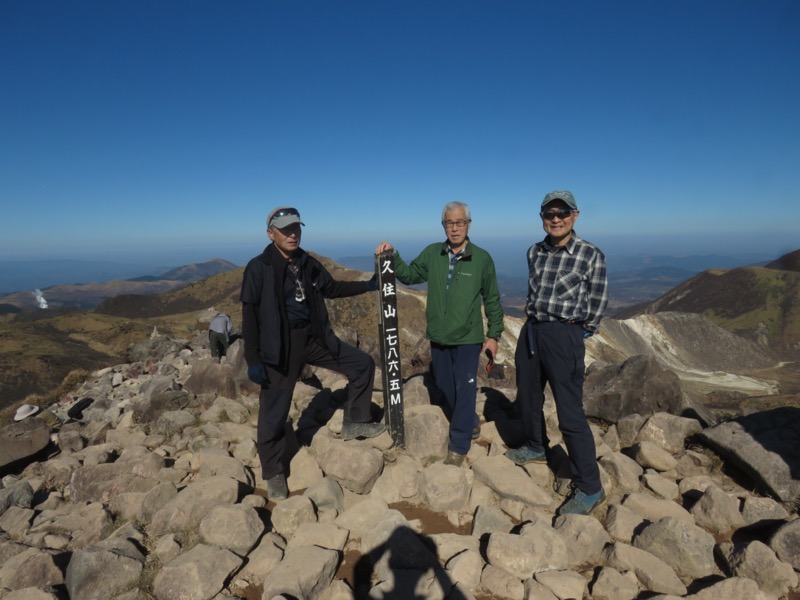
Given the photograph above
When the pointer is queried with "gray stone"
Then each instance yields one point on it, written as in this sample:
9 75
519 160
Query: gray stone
668 431
610 584
324 535
326 494
18 494
686 548
490 519
303 471
211 378
232 526
354 465
757 510
30 568
174 421
650 455
427 431
654 509
509 481
661 486
214 462
187 509
786 543
564 584
199 574
155 499
718 511
449 544
653 573
624 471
288 515
99 572
262 559
16 521
85 524
304 572
735 588
445 487
501 584
525 555
758 562
536 591
622 523
628 428
465 568
583 536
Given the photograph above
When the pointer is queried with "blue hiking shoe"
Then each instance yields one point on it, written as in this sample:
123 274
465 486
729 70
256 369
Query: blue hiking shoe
581 503
525 454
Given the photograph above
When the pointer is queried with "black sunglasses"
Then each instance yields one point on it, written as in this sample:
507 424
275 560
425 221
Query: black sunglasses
561 213
283 212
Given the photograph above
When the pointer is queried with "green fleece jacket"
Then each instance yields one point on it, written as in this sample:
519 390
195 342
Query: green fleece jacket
454 315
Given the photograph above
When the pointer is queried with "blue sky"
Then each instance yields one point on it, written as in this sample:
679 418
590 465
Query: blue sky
169 129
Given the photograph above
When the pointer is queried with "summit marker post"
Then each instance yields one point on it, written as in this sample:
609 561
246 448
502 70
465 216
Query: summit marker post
389 334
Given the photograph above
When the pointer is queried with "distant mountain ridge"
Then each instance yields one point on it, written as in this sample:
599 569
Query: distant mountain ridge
84 296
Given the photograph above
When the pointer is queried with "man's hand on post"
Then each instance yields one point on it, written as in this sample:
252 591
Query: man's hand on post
383 247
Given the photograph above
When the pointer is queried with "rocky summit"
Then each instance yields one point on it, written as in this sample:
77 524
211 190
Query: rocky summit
154 491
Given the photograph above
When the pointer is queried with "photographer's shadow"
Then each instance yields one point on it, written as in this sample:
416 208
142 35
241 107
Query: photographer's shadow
404 567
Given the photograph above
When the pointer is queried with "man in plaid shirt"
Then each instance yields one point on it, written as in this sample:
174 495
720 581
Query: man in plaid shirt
567 294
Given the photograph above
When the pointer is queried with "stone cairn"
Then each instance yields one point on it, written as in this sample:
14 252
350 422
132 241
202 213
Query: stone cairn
156 493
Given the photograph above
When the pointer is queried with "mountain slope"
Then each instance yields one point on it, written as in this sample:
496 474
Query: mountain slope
760 303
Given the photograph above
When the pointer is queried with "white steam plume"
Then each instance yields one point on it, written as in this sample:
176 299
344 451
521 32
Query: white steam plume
40 298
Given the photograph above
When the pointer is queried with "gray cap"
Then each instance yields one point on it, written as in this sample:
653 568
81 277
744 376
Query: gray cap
564 195
283 216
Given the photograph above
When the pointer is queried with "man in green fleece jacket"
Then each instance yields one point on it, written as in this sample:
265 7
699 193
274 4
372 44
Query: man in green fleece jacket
460 277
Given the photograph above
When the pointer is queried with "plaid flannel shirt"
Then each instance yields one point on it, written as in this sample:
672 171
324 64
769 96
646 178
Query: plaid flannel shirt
568 283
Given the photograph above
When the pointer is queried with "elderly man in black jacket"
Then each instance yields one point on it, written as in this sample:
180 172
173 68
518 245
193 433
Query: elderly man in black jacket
285 326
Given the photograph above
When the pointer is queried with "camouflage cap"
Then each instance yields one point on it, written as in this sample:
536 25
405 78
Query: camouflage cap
562 195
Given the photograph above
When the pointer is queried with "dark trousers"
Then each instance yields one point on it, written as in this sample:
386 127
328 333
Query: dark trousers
553 353
455 369
219 343
275 398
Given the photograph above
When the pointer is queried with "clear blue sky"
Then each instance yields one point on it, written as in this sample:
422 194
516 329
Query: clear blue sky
170 128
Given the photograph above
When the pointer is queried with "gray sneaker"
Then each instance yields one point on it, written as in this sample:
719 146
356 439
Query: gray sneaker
276 487
352 431
525 454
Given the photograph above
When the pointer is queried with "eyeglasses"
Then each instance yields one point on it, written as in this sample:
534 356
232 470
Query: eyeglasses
284 212
455 224
561 213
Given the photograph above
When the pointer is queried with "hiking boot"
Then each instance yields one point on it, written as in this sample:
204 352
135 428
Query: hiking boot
580 503
525 454
455 459
476 431
352 431
276 487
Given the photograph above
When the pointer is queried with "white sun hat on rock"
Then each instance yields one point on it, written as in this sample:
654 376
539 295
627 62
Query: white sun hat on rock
25 411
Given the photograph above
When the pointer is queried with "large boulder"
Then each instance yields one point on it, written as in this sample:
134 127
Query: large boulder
763 445
22 440
638 385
